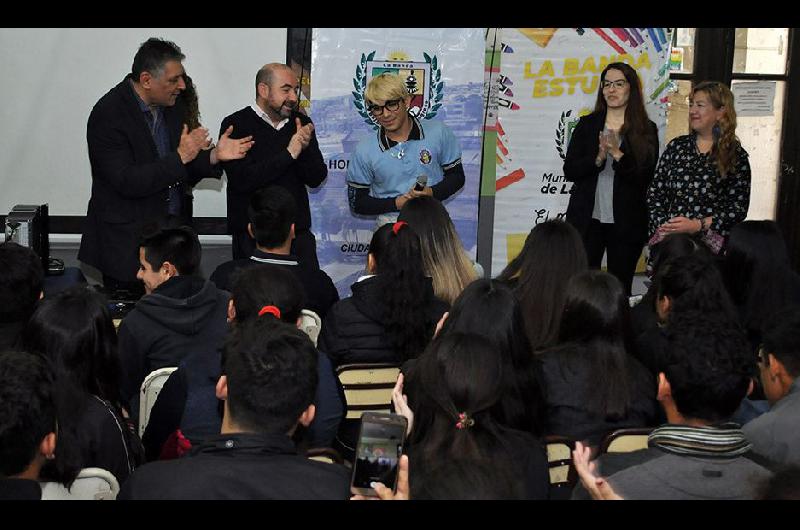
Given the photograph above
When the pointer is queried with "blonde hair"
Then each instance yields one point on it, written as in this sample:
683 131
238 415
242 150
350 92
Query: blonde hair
386 87
723 153
443 256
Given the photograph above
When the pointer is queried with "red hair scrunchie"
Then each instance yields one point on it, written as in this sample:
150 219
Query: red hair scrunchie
271 309
398 225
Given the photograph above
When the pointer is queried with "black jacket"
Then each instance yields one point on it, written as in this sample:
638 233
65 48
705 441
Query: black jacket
320 293
567 379
267 163
240 466
631 179
130 183
182 316
353 331
98 438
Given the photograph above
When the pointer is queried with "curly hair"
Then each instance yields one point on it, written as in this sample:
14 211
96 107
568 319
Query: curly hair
709 365
726 144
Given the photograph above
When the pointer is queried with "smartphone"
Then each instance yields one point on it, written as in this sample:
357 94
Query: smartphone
380 444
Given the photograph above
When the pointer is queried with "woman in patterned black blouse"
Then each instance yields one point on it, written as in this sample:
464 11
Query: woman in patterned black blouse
702 181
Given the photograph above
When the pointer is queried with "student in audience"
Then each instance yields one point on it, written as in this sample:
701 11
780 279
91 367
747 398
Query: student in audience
272 214
74 330
268 383
27 424
187 410
489 308
683 284
460 383
593 384
643 314
759 275
21 279
697 454
552 254
181 313
393 311
443 255
775 434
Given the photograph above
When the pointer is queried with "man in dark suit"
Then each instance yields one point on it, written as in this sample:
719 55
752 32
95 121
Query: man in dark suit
286 153
144 161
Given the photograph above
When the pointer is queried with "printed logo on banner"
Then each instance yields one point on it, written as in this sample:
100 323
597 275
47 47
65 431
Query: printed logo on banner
423 80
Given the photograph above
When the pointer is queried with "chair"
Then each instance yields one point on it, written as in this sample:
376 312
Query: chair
151 386
625 440
92 484
367 387
311 324
325 454
559 461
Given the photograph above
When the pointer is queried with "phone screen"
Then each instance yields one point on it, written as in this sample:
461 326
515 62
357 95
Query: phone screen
380 445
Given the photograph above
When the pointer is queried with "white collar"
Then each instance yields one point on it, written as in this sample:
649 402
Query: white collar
264 116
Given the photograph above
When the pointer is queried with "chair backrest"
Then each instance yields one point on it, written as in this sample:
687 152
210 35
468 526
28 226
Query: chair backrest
92 484
325 454
151 386
559 461
625 440
311 324
635 299
367 387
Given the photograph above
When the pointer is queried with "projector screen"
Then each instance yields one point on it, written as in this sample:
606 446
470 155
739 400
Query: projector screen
53 78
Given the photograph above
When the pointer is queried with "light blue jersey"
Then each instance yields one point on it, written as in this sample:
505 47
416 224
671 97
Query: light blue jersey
392 171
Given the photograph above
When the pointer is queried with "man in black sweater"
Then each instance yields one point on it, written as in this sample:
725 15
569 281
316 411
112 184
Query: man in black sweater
285 153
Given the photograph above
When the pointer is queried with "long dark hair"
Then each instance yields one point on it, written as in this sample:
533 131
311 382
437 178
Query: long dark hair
401 278
488 308
595 329
458 374
553 252
694 282
636 130
74 330
758 272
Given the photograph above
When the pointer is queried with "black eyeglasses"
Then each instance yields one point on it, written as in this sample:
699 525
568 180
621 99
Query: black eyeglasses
619 83
377 110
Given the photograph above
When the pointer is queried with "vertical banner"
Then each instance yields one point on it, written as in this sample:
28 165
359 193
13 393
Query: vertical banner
549 78
444 72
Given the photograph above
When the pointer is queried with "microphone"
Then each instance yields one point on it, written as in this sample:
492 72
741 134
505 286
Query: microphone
422 181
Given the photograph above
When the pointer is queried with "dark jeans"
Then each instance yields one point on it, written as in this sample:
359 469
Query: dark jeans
304 246
622 254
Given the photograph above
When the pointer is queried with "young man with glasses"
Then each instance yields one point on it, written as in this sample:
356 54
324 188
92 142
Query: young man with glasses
405 159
